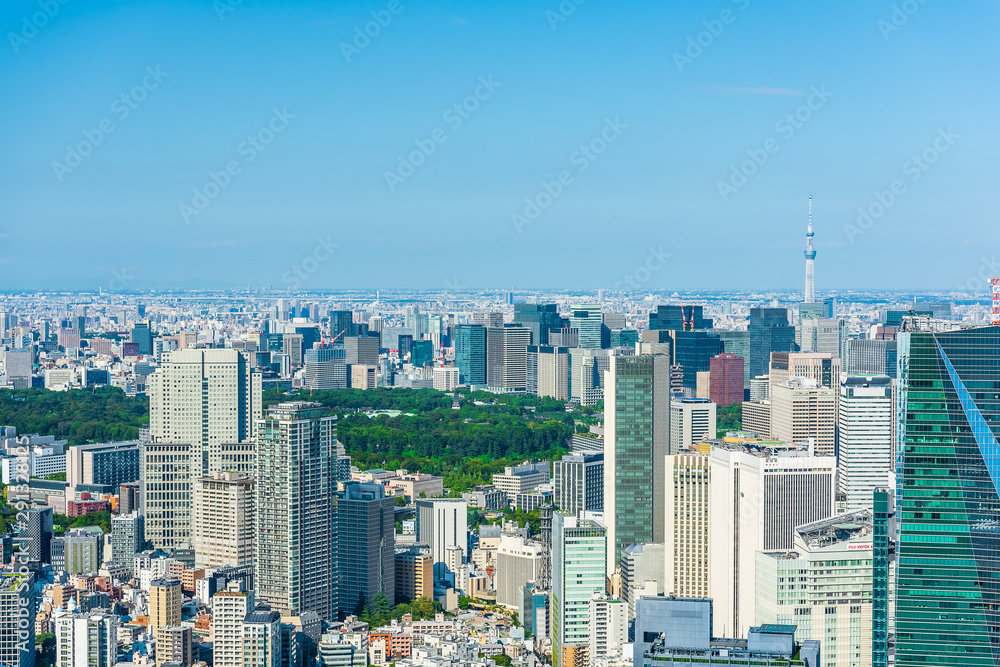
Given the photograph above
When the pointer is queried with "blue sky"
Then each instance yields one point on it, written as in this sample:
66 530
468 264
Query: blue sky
313 208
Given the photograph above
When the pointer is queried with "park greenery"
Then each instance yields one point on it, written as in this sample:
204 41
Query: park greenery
80 417
728 418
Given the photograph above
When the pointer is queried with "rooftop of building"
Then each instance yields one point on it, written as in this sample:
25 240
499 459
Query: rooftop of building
836 529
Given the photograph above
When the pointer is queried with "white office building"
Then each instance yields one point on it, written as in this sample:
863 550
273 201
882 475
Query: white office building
757 497
85 640
865 438
692 420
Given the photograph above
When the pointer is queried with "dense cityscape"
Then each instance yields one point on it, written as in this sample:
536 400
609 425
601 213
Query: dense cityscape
438 479
553 333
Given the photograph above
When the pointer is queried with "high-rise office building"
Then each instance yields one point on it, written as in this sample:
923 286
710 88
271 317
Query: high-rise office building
362 350
414 574
769 332
222 520
507 358
829 336
871 356
579 553
609 628
738 343
443 523
422 353
204 397
540 318
128 537
679 318
142 335
948 509
294 531
823 586
586 374
167 473
865 449
693 352
548 371
520 561
578 480
822 367
325 368
341 323
692 420
366 546
757 497
802 411
470 353
685 536
36 525
84 639
726 379
587 320
636 435
883 574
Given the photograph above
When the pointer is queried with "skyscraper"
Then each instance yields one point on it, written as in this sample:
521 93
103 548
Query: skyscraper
769 332
540 318
548 371
507 358
128 537
810 253
685 537
948 509
294 533
223 523
366 545
204 397
586 318
579 553
800 410
166 492
636 433
325 368
579 482
727 379
865 449
692 420
470 353
443 523
757 497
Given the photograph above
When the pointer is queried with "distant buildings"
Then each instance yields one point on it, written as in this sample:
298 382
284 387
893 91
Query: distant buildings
443 523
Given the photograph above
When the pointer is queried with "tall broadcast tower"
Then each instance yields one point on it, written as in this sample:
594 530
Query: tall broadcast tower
810 257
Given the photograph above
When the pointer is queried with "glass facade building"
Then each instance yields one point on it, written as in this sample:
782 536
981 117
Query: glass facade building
948 509
470 353
769 332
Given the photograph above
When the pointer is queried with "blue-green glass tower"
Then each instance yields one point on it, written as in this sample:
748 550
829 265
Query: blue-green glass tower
882 556
470 353
948 508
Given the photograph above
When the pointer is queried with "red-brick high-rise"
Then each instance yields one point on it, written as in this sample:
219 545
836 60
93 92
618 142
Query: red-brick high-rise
726 379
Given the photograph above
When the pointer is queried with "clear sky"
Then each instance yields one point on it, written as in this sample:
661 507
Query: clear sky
312 117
